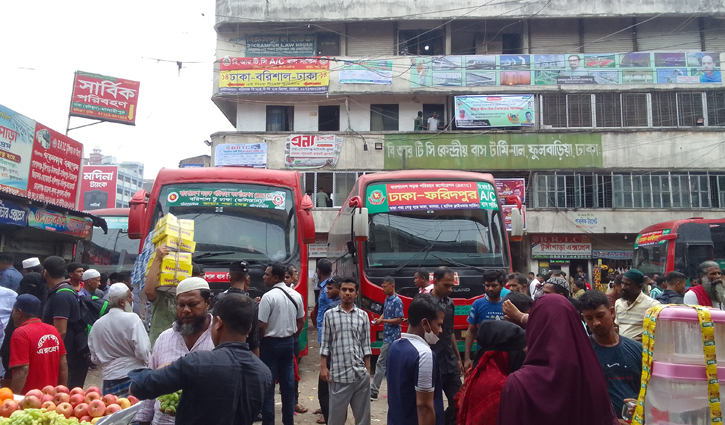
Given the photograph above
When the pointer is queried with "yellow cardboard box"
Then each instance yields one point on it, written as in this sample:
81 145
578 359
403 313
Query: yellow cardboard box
169 280
177 244
168 219
185 230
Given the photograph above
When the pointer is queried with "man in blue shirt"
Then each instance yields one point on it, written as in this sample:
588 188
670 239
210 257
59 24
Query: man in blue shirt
709 74
487 308
391 319
415 395
620 357
10 277
324 270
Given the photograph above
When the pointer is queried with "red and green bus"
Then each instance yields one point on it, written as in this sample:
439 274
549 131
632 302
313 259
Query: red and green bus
255 215
679 245
392 223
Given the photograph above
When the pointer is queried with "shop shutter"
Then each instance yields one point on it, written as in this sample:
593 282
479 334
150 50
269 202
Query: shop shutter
668 35
370 40
554 36
599 35
714 39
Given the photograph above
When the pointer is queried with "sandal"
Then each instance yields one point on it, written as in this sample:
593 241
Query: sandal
300 408
321 420
317 412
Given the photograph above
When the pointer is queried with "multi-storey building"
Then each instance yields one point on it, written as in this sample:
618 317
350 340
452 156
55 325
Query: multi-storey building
626 105
130 176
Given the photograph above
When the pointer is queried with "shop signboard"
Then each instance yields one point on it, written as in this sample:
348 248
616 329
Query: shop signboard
241 155
104 98
274 75
319 248
13 214
650 238
98 187
561 247
54 168
279 45
16 146
512 187
54 221
501 110
312 150
367 72
221 197
611 255
493 151
424 196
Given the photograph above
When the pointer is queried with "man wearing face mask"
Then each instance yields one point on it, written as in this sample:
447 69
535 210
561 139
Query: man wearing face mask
118 342
711 291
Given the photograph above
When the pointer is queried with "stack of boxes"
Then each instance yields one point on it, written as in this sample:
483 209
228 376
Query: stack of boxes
178 236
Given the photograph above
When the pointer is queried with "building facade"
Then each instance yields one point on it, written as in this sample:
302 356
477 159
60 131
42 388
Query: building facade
612 113
129 179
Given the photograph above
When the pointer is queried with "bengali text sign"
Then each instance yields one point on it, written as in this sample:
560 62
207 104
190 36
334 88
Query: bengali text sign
274 75
98 187
104 98
416 196
54 168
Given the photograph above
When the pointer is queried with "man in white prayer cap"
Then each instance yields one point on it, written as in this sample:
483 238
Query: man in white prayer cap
91 282
118 341
31 265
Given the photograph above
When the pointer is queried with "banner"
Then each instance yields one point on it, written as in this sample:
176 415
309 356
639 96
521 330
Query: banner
467 151
366 72
311 150
241 155
567 247
452 195
506 210
650 238
564 69
279 45
506 110
98 187
12 213
274 75
213 197
511 187
54 168
104 98
57 222
16 146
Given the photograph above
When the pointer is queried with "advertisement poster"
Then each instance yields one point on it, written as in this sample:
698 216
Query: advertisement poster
266 199
104 98
311 150
506 209
366 72
430 196
566 247
274 75
279 45
16 145
241 155
54 168
511 187
57 222
98 187
12 213
495 111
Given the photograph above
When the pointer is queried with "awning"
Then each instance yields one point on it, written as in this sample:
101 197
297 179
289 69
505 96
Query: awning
26 202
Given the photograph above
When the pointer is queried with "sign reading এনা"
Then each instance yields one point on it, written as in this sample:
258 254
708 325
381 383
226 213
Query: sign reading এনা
54 168
274 75
104 98
566 69
12 213
650 238
57 222
312 150
417 196
98 187
505 110
493 151
366 72
241 155
267 199
577 246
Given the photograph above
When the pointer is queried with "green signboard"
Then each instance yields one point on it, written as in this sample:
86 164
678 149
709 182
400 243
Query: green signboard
465 151
430 195
211 197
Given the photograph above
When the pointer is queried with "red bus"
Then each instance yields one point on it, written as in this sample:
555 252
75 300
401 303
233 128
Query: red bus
679 245
255 215
395 222
113 251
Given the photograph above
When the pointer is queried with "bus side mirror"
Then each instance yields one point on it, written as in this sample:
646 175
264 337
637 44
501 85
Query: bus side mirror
306 221
517 224
360 225
137 214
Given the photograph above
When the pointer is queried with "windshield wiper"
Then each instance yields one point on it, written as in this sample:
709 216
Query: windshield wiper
457 264
425 249
212 254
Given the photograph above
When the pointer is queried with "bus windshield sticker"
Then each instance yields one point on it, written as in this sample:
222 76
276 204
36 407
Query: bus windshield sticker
650 238
117 222
423 196
267 199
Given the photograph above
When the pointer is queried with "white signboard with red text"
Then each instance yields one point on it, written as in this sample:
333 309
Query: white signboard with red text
564 247
98 187
312 150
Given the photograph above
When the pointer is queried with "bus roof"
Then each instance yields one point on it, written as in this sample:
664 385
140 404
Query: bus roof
227 174
112 212
424 175
674 224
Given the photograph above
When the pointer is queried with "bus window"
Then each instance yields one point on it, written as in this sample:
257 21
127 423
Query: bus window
111 252
651 258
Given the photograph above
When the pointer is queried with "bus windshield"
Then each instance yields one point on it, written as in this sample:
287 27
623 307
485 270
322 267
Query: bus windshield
114 251
651 258
235 221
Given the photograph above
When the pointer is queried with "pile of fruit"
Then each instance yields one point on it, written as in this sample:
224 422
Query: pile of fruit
58 405
169 403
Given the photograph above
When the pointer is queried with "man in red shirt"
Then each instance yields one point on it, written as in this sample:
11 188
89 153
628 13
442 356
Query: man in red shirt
37 353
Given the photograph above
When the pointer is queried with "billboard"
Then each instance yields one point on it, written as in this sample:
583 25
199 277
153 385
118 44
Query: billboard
279 45
54 221
512 187
561 247
54 167
274 75
241 155
504 110
98 187
311 150
430 196
104 98
367 72
16 145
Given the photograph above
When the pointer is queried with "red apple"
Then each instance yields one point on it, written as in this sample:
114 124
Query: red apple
8 407
132 399
96 408
48 405
46 397
81 410
109 399
76 399
92 396
65 409
77 390
49 389
86 419
61 398
124 403
61 389
112 408
31 402
36 393
94 390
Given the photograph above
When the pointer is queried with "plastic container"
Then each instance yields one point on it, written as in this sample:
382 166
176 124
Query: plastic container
678 338
677 394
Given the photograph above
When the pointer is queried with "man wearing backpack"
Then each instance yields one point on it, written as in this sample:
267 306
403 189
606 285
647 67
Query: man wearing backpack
62 310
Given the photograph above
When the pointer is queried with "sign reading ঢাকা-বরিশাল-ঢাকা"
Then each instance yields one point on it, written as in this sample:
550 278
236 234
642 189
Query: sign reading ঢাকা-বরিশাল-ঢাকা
274 75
